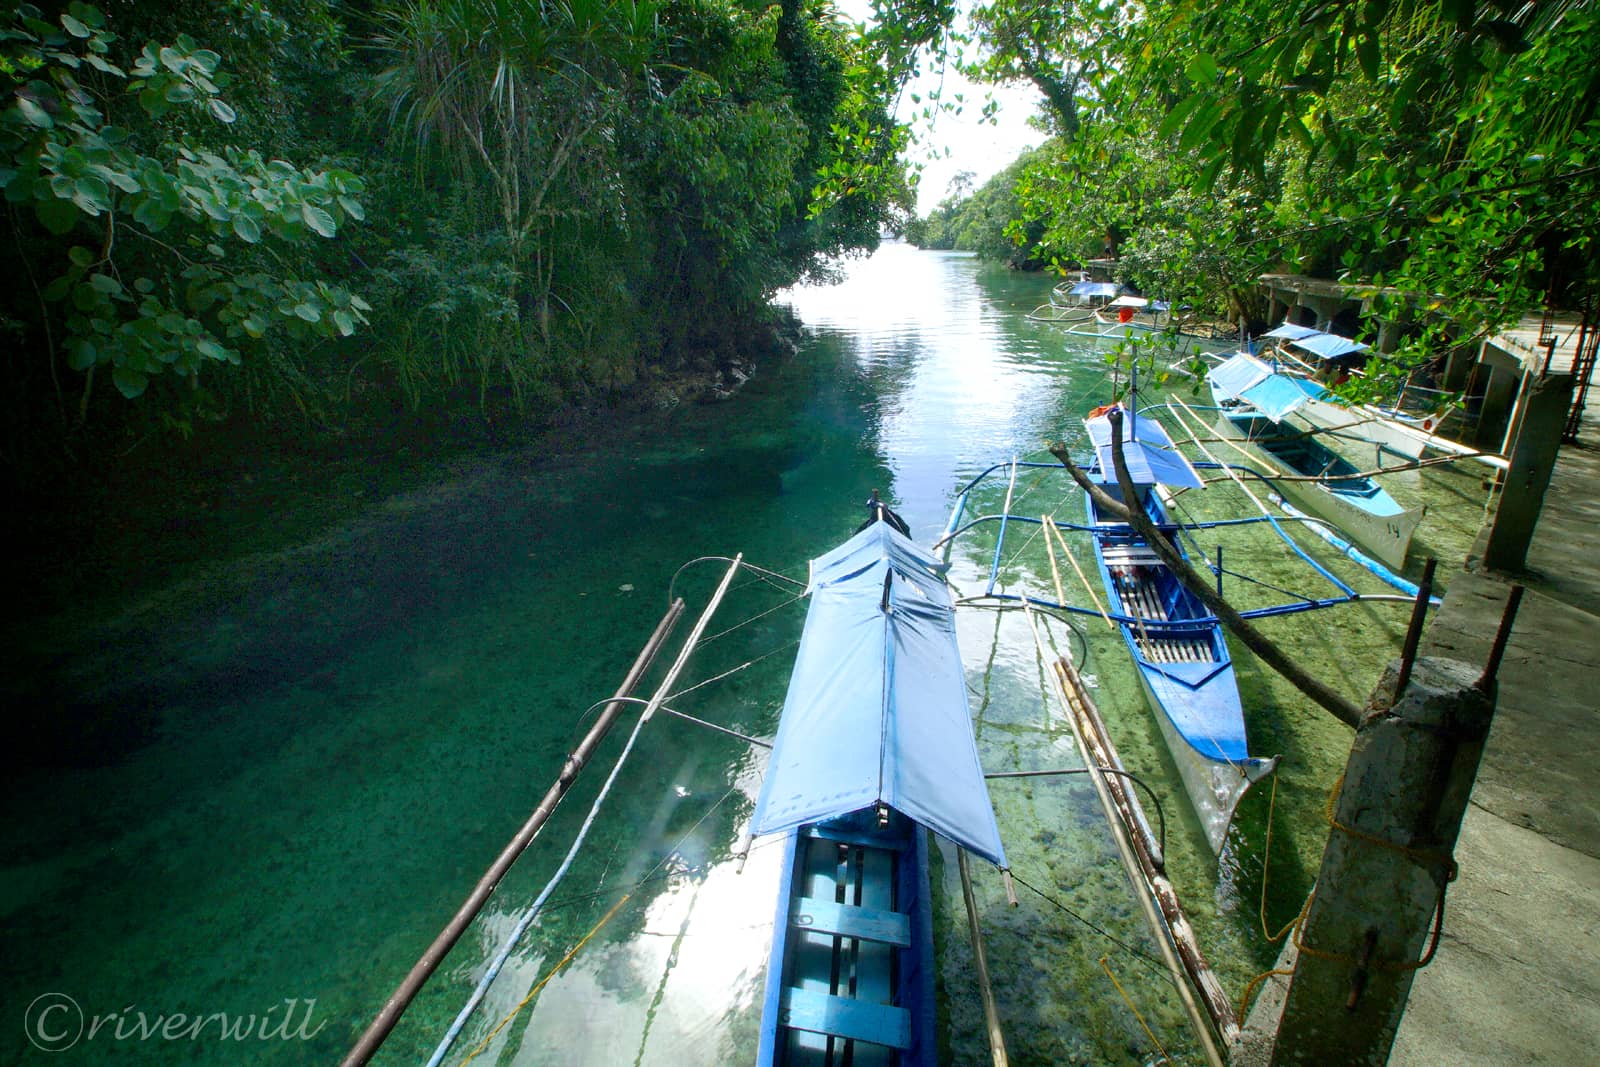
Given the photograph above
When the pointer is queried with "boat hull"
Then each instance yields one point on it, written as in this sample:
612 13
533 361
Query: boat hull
1184 669
852 979
1361 509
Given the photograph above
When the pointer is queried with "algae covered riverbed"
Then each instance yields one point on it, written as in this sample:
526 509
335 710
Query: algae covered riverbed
325 744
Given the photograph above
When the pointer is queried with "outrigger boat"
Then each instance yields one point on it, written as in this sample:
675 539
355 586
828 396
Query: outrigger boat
1309 353
1177 645
1253 399
1076 301
874 748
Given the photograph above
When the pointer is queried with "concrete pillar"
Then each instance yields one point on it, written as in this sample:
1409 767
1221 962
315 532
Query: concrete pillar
1387 860
1533 457
1499 395
1326 308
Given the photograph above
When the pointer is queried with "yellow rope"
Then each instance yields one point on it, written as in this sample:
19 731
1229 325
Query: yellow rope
1244 1001
1125 999
541 983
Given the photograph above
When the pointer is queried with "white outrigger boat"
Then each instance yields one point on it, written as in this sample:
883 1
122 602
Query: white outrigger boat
1073 302
1308 352
1252 400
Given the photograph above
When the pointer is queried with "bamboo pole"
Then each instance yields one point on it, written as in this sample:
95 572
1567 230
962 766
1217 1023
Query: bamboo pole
1093 596
980 961
694 639
1135 873
1184 939
387 1018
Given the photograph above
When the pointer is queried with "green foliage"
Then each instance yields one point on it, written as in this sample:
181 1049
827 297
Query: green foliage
178 297
992 221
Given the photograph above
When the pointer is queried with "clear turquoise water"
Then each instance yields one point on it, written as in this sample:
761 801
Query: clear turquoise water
321 748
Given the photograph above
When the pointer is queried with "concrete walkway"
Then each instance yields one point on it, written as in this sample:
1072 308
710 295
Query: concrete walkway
1517 976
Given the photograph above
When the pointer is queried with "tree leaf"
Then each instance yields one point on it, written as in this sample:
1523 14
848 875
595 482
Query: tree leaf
222 111
74 27
81 353
57 216
246 229
1202 69
353 208
210 349
318 219
33 113
343 320
307 312
130 383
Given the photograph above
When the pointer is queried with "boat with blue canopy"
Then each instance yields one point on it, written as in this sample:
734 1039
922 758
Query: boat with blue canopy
874 749
1177 645
1076 301
1308 354
1253 400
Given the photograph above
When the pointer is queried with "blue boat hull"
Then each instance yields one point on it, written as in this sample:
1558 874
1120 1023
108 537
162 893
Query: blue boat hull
851 970
1184 668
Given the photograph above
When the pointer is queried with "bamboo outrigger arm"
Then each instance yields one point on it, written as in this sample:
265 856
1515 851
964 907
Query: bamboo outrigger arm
389 1016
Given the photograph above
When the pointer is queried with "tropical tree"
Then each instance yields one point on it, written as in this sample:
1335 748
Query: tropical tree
150 249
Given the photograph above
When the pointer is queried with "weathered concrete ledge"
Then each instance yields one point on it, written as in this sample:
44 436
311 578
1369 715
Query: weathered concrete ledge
1517 975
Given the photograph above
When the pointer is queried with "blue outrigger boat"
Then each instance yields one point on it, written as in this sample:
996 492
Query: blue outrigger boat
1176 643
1253 400
874 748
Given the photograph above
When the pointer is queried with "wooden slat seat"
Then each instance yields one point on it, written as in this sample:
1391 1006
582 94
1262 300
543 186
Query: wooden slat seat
853 837
849 920
1129 556
853 1020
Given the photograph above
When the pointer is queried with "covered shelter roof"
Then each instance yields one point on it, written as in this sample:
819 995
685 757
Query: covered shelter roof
1148 451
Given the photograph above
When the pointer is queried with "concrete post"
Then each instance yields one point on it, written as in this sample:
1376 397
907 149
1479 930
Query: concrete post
1386 865
1499 395
1533 457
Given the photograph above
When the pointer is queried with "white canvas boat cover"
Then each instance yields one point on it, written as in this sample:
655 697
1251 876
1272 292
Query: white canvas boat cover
1247 378
1328 345
877 705
1148 451
1095 289
1289 332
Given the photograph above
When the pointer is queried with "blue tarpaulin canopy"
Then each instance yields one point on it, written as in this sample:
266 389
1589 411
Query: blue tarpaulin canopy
1328 345
877 706
1248 379
1290 332
1146 448
1095 289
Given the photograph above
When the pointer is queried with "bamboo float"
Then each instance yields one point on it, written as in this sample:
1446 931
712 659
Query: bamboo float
389 1016
1151 859
693 639
1134 868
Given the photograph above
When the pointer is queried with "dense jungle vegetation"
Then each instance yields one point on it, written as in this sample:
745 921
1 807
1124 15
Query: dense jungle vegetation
1437 147
234 222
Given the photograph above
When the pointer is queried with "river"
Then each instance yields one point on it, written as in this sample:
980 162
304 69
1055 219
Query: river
304 759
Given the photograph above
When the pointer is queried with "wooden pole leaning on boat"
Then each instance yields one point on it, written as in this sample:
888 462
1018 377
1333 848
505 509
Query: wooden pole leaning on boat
387 1018
1121 837
1264 647
980 961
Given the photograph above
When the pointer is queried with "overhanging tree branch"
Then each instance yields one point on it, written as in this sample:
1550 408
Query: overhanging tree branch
1264 648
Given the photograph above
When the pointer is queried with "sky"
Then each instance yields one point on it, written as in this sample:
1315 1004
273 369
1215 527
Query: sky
955 143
